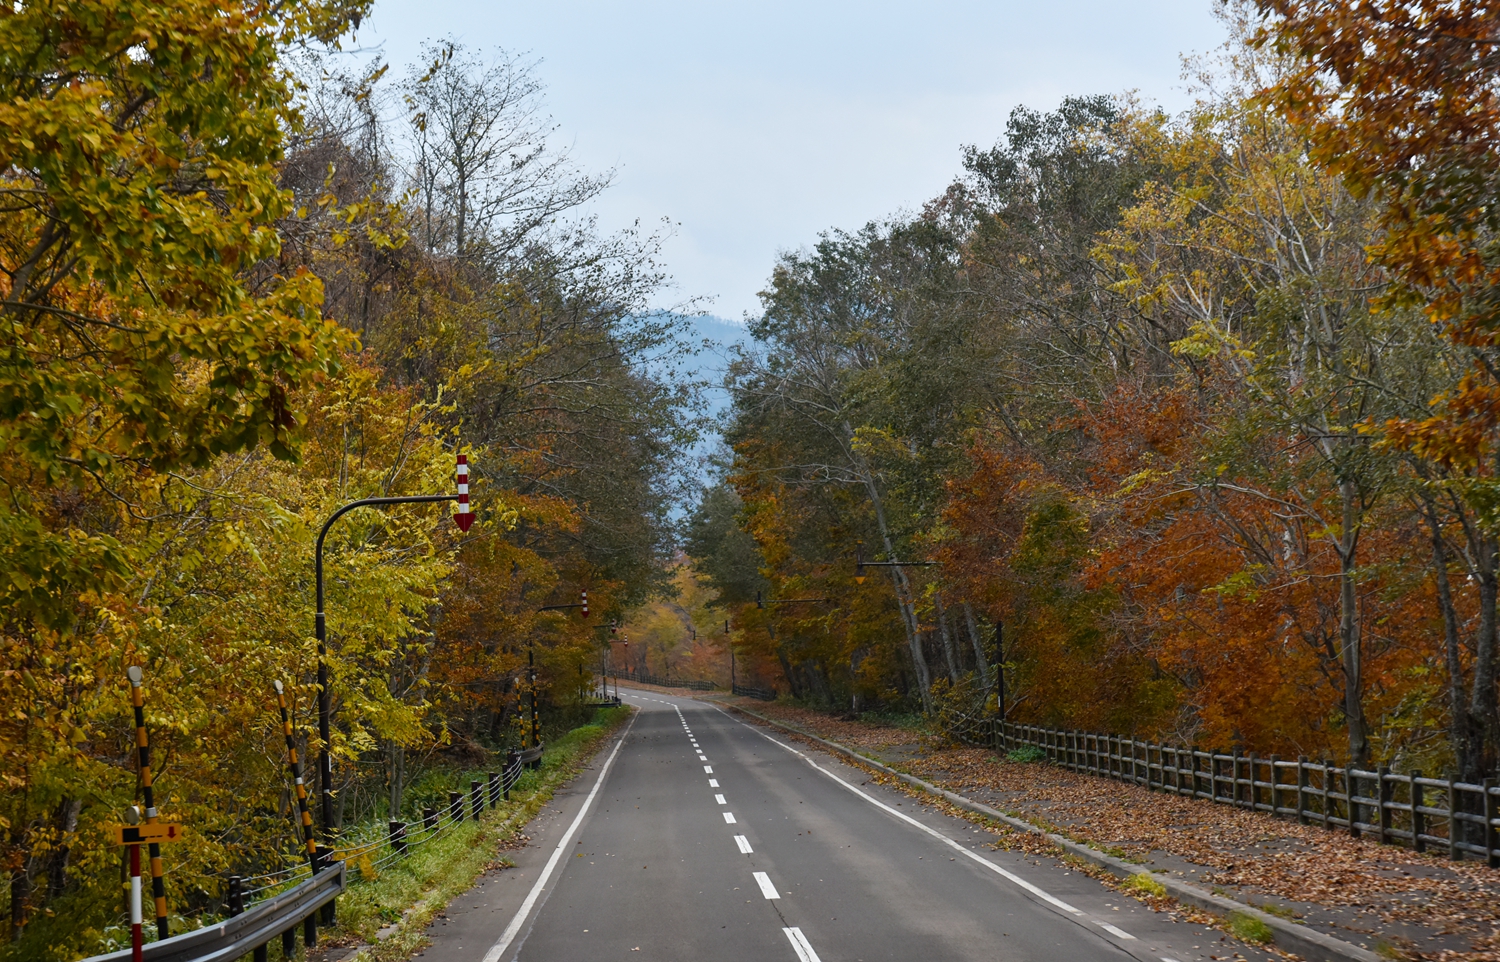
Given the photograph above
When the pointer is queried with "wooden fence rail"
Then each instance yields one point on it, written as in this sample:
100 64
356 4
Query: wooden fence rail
1408 809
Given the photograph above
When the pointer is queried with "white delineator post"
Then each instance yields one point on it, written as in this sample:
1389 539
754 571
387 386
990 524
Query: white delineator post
464 517
135 903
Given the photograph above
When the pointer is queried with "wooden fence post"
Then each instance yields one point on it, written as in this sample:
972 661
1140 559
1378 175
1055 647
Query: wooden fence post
429 819
1491 846
456 806
1301 789
1453 827
1327 791
397 836
1275 785
1418 817
1351 789
1385 793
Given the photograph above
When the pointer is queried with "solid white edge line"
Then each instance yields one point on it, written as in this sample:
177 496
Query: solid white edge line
1034 890
801 946
498 949
1115 931
767 888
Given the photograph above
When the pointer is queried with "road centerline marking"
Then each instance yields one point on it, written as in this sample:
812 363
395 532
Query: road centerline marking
744 844
728 818
801 946
720 799
766 888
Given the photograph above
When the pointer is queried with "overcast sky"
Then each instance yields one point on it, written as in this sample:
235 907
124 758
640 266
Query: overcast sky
753 126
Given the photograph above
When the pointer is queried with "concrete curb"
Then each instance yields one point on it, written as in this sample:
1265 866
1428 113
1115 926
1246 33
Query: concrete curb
1308 943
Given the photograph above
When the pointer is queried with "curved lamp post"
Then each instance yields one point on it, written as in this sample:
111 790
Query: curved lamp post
463 518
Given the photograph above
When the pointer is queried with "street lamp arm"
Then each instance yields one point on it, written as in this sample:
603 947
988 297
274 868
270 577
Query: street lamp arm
362 503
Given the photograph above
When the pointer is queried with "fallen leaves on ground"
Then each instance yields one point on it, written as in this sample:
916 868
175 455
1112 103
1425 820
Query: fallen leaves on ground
1253 851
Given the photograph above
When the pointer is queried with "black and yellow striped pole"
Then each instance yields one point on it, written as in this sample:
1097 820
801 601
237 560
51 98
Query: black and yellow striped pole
148 795
296 768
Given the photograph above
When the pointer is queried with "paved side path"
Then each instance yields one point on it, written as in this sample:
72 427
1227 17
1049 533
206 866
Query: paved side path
709 839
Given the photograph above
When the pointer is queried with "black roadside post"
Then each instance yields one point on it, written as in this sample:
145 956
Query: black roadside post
464 518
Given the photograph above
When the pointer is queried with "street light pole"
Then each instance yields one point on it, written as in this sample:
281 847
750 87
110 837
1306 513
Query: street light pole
320 628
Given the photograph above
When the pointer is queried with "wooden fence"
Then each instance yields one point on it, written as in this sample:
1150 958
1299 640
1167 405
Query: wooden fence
1408 809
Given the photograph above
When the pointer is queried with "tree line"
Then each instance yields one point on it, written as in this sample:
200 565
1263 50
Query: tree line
246 281
1189 419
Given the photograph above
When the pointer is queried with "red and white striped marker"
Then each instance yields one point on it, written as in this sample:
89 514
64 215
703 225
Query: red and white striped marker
585 595
464 517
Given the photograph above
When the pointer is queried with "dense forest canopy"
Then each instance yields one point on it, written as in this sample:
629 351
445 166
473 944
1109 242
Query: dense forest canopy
1178 426
237 297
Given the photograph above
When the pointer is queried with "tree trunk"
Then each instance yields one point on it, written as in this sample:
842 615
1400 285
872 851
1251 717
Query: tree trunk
979 659
20 895
949 655
903 584
67 823
1459 726
398 778
1349 635
1482 713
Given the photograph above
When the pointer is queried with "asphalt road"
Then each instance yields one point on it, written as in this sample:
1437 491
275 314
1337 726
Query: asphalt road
700 837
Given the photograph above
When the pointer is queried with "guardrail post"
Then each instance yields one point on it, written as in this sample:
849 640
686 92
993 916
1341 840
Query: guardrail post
1491 848
456 806
476 799
398 836
289 943
1418 817
310 930
429 819
494 789
235 898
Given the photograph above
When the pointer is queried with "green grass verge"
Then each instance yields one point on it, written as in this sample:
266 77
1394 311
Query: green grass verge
408 893
1248 928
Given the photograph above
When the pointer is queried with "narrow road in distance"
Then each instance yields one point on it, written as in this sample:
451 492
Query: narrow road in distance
707 838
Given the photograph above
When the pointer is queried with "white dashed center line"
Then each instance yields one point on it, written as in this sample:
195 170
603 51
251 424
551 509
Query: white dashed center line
729 818
720 799
713 783
766 888
744 844
801 946
708 769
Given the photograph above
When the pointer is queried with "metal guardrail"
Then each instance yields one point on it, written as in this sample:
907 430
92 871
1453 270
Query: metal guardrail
241 935
1405 809
249 930
764 694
